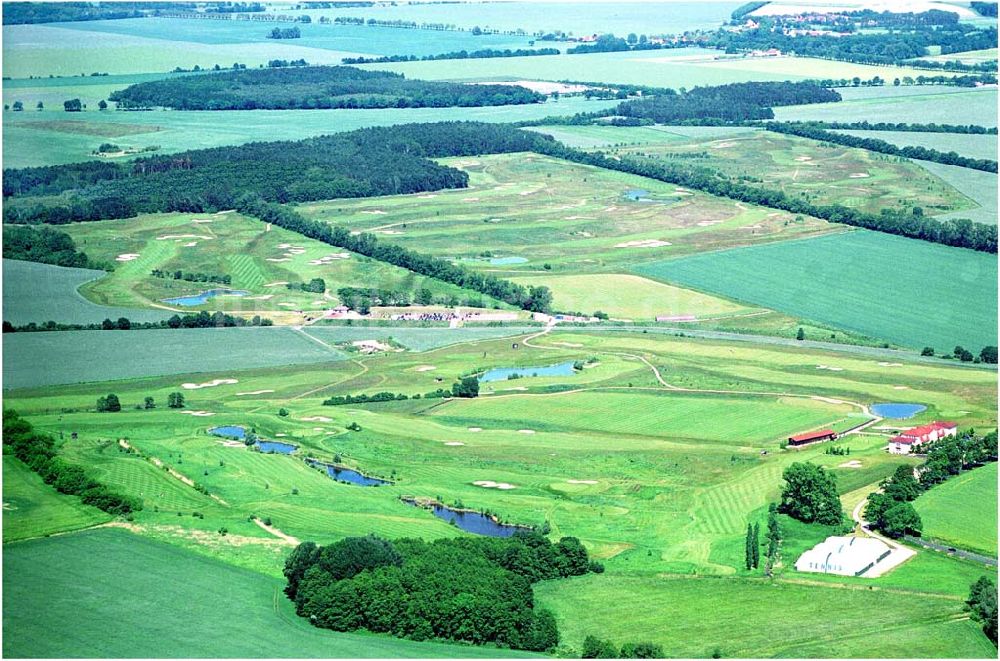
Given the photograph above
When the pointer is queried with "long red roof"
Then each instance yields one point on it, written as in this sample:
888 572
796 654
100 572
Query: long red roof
918 433
808 436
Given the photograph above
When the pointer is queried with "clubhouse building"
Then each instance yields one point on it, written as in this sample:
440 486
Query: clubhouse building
910 441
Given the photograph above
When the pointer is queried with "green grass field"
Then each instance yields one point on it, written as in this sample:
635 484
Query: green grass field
963 510
897 305
876 105
971 145
32 508
979 186
153 594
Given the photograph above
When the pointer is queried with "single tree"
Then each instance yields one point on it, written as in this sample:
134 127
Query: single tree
801 335
901 519
810 494
175 400
756 546
148 403
928 351
102 105
747 550
18 106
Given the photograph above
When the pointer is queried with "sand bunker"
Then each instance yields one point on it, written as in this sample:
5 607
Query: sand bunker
317 418
859 175
190 244
832 369
281 435
262 297
574 345
389 232
854 463
582 481
901 387
426 368
645 243
253 392
525 431
475 429
233 444
198 414
277 259
276 284
803 159
209 384
708 223
326 259
318 429
375 212
724 145
454 443
165 237
429 196
470 199
884 364
202 220
490 484
127 257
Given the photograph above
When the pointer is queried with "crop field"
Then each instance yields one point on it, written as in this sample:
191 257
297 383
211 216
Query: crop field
31 508
598 137
27 144
43 292
963 511
657 483
966 57
64 584
979 186
260 259
645 299
973 146
535 210
821 173
961 289
968 107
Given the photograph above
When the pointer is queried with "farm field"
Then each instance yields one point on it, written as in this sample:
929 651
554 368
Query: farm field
973 146
537 210
961 287
594 136
34 292
32 508
968 107
58 576
966 57
979 186
821 173
963 510
260 259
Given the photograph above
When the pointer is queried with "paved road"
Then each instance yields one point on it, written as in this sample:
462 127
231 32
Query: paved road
967 555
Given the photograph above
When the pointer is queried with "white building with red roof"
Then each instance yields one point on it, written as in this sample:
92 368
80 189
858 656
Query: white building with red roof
909 441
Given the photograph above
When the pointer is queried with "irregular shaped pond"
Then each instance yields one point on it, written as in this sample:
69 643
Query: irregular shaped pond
637 195
229 431
502 373
500 261
276 447
341 474
897 411
203 297
474 522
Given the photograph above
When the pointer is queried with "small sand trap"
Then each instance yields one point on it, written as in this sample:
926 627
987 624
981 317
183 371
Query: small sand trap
573 345
707 223
276 284
190 244
262 297
803 159
277 259
854 463
318 429
474 429
832 369
429 196
426 368
516 388
525 431
470 199
317 418
127 257
582 481
167 237
253 392
884 364
376 212
901 387
233 444
198 414
646 243
859 175
454 443
389 232
209 384
202 220
490 484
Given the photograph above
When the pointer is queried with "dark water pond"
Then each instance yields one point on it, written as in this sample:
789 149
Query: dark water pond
502 373
341 474
203 297
474 522
897 411
276 447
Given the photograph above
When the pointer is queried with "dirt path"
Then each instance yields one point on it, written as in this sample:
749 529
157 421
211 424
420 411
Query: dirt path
277 533
898 553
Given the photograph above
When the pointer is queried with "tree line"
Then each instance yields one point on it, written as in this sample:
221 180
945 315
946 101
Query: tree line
467 387
814 132
600 648
285 33
39 452
482 53
202 319
21 13
985 9
475 590
45 245
312 88
188 276
932 127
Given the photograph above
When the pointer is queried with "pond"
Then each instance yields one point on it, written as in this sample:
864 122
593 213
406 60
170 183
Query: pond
637 195
202 298
276 447
503 373
229 431
898 411
473 522
341 474
501 261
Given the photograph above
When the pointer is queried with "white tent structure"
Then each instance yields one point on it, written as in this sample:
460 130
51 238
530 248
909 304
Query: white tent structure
846 556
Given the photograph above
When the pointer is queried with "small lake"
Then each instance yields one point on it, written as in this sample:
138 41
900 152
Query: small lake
898 411
203 297
276 447
637 195
229 431
501 261
341 474
474 522
503 373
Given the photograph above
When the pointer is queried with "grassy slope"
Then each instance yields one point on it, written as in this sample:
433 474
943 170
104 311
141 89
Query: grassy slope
31 508
980 187
963 510
65 585
968 107
910 303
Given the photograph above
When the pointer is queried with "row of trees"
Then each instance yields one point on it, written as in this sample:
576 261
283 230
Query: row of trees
313 87
816 132
39 452
314 286
475 590
202 319
454 55
904 126
467 387
284 33
599 648
986 355
111 403
46 245
188 276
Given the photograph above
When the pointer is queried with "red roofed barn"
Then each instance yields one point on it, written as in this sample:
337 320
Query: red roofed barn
812 437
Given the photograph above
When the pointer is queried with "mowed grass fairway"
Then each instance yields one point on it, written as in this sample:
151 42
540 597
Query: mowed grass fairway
963 510
923 295
32 508
109 593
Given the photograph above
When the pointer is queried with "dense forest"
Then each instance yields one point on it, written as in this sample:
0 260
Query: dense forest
47 245
732 103
454 55
471 589
311 88
814 132
19 13
985 8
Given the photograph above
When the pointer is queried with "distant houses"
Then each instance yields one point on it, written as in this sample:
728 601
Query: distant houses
910 441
